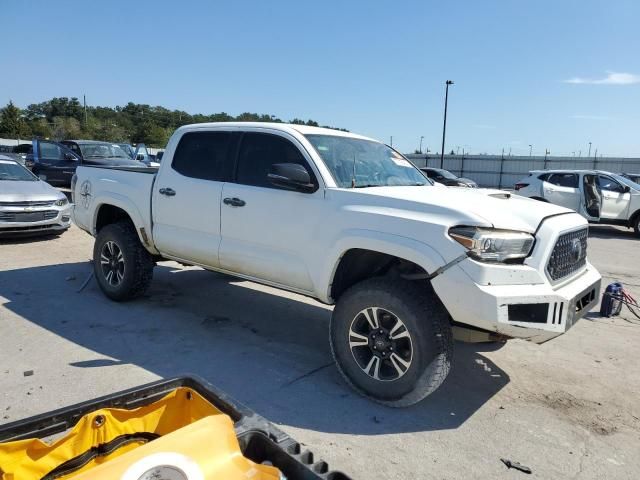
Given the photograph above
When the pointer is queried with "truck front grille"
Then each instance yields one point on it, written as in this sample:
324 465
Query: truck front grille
569 254
28 216
29 203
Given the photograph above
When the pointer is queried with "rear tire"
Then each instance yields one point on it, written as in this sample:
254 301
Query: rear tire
636 225
421 356
122 266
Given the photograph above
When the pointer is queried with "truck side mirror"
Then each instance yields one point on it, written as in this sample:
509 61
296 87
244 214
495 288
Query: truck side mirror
291 176
626 189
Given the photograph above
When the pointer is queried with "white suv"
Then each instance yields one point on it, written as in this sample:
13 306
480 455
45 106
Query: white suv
600 197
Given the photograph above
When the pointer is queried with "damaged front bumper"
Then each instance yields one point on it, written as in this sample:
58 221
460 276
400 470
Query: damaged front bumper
537 312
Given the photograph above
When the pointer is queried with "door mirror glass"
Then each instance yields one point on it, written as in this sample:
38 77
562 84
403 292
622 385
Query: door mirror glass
291 176
70 156
626 189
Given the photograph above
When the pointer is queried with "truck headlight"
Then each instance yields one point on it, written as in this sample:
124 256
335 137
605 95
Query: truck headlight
492 245
61 202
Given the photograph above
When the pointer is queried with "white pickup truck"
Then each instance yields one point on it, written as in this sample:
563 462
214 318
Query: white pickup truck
346 220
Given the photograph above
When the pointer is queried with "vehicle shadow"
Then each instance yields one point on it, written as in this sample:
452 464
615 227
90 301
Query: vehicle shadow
20 239
609 231
267 350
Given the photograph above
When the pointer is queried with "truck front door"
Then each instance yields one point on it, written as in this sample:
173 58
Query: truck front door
187 194
267 231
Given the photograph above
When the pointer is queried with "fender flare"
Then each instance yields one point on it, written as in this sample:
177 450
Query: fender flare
406 248
122 202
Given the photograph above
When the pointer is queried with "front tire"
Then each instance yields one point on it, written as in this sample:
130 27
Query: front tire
391 340
636 225
122 266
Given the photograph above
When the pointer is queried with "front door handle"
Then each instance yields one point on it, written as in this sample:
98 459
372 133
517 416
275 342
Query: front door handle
234 202
169 192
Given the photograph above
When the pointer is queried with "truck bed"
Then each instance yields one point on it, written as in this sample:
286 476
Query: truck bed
128 188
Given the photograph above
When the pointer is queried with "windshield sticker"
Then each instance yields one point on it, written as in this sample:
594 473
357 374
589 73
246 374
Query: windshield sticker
401 162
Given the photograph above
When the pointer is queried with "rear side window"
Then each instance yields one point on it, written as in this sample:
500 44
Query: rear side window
261 150
204 155
569 180
543 177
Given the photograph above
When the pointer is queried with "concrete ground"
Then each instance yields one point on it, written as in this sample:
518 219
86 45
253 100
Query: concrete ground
567 409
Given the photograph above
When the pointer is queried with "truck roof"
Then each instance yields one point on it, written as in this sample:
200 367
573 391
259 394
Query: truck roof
285 127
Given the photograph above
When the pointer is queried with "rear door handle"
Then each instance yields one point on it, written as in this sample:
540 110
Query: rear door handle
169 192
234 202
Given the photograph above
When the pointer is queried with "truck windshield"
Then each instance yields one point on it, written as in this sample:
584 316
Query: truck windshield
13 171
102 150
358 163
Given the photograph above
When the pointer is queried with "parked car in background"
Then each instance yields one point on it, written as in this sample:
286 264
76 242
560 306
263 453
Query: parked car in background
400 258
100 153
140 153
29 205
634 177
57 162
52 162
599 196
447 178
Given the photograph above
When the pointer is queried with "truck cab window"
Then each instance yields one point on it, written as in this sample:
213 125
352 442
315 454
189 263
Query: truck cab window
203 155
259 151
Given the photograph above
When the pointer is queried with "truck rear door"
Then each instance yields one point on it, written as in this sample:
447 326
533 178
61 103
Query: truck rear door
186 197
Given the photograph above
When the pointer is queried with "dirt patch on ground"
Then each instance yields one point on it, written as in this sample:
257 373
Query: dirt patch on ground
594 416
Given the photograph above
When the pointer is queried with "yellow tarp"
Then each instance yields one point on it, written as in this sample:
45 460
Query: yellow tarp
192 432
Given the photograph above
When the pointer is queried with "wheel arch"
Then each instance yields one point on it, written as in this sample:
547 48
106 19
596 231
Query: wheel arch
357 258
116 208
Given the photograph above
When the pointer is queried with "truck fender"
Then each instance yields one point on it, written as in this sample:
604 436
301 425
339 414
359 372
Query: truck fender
409 249
122 202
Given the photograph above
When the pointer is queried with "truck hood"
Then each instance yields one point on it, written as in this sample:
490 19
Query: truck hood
18 191
471 206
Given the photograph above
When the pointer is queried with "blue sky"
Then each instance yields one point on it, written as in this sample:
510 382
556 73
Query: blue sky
555 74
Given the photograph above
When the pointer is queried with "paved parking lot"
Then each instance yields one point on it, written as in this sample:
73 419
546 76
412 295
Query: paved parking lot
567 409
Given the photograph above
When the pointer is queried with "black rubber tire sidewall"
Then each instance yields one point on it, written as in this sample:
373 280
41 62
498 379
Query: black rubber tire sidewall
428 323
138 262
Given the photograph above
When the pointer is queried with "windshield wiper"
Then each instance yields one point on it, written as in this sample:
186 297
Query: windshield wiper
365 185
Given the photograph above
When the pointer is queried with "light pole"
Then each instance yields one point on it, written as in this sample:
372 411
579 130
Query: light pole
589 150
420 149
444 125
530 149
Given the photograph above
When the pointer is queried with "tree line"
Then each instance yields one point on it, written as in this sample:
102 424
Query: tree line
63 117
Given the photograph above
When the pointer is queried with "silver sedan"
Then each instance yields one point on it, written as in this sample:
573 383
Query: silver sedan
29 205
